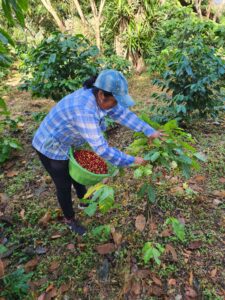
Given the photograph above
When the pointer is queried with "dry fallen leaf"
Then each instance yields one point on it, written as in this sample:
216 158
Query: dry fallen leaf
4 197
38 283
45 219
213 273
153 227
187 255
54 266
31 264
143 273
199 178
191 277
190 293
12 173
222 180
42 296
170 248
136 288
177 190
2 269
70 247
166 232
156 280
220 194
49 288
117 236
64 288
56 236
85 290
51 294
140 222
22 214
105 248
195 245
155 290
172 281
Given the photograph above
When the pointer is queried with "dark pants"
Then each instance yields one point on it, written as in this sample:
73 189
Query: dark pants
59 172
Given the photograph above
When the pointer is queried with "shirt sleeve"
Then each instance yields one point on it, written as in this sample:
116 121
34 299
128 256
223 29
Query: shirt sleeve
88 127
129 119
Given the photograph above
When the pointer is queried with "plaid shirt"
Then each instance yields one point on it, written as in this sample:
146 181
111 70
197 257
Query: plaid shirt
77 119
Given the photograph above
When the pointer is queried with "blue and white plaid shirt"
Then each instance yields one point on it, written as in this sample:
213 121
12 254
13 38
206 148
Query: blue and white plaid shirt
76 119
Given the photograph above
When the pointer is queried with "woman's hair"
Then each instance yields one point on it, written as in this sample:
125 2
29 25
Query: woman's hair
88 84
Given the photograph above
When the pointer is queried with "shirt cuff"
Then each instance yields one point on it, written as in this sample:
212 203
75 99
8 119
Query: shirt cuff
149 131
131 160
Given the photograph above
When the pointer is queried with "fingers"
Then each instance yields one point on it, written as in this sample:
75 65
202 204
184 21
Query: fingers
161 133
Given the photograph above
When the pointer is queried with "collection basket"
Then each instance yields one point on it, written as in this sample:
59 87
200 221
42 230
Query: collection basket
83 176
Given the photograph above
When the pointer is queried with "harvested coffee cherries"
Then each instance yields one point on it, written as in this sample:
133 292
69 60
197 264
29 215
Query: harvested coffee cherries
91 161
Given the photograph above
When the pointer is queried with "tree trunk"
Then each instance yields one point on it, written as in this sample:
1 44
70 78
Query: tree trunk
198 7
80 12
209 9
118 44
51 10
97 20
97 33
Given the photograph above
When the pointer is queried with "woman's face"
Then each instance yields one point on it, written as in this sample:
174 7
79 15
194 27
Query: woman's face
104 102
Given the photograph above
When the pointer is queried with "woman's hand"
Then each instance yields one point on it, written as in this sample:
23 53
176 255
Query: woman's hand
156 135
140 161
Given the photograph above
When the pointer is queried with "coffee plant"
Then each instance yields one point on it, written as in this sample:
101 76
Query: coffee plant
7 126
152 251
174 153
193 84
177 226
59 65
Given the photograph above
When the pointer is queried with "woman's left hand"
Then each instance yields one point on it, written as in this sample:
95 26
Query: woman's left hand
156 135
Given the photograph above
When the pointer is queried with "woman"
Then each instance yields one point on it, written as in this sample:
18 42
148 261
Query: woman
76 119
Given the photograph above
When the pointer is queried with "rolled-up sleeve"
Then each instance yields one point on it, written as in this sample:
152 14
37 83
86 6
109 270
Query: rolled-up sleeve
88 127
129 119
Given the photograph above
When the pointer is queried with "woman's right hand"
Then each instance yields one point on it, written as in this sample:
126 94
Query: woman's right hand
140 161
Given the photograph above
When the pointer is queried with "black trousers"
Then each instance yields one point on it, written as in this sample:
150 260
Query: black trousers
59 172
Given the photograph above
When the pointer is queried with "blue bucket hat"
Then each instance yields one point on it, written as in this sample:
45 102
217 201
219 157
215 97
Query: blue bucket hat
114 82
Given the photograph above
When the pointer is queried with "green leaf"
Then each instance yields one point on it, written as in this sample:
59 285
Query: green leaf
138 173
3 249
5 37
156 255
18 11
91 209
14 144
7 10
200 156
151 194
52 58
23 4
3 106
143 190
147 252
5 61
147 170
106 204
102 232
178 229
155 156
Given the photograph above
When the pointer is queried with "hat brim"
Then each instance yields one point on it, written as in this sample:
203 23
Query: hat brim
125 101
